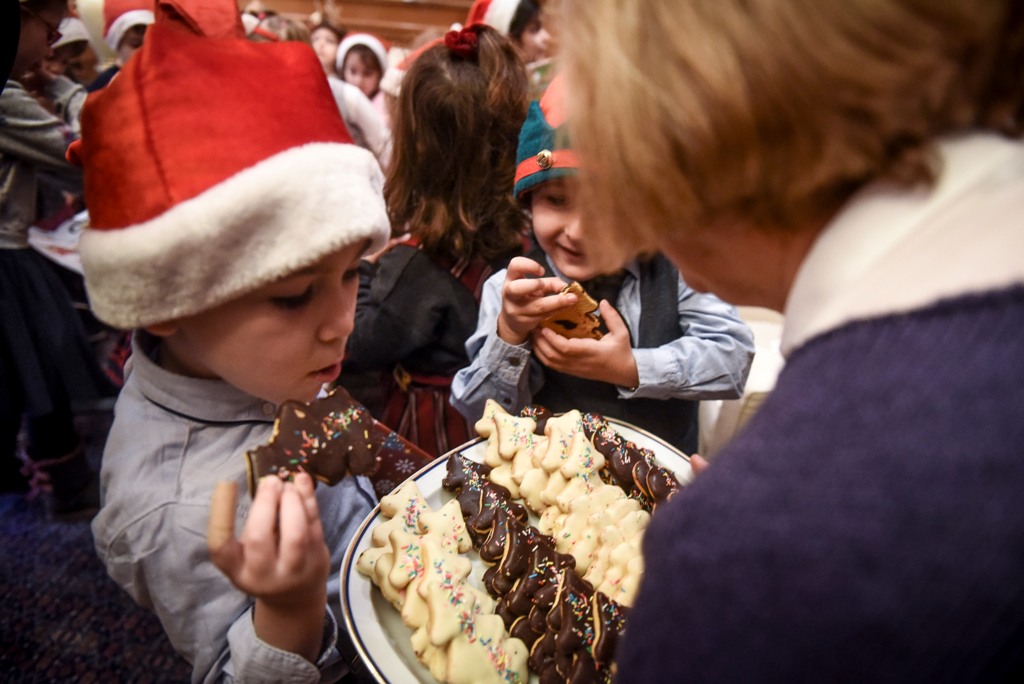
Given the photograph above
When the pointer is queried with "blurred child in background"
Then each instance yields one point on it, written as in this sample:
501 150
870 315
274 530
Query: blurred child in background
47 368
362 60
124 30
72 55
521 20
325 39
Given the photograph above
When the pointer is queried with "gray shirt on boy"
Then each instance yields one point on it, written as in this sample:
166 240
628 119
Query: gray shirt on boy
172 440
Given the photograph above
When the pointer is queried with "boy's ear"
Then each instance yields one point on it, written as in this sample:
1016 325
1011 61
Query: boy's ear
162 329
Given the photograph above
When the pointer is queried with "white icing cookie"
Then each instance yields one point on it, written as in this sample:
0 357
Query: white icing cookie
415 562
403 507
447 524
597 523
506 434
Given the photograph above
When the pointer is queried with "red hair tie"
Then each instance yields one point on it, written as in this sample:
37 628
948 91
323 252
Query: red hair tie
463 43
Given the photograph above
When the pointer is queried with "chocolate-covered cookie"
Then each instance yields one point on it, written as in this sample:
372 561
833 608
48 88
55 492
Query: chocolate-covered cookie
328 438
630 466
609 622
478 497
577 320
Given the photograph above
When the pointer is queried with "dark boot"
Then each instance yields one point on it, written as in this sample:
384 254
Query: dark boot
69 487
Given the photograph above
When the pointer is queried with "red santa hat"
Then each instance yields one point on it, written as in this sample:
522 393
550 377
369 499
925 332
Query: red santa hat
121 15
497 14
215 165
351 40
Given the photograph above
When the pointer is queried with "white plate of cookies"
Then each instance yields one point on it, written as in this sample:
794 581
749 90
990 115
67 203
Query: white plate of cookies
468 570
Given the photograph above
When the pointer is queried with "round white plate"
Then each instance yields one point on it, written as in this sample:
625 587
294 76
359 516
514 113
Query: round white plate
380 636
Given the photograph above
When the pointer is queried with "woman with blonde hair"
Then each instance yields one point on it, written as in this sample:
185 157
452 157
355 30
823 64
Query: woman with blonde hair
856 164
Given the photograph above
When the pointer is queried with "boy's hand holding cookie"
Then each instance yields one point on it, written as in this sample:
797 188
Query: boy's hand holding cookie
280 559
527 298
609 359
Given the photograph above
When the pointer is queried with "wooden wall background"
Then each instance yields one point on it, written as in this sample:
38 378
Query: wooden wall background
402 22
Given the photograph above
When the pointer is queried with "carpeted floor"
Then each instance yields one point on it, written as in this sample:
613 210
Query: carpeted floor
61 618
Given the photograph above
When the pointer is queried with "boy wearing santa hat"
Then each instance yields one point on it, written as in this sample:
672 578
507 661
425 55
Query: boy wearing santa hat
228 217
124 29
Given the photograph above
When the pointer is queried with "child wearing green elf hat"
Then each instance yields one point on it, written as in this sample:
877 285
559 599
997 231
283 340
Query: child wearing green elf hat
666 346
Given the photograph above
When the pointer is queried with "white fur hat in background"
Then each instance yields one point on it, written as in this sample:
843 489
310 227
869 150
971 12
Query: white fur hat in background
366 40
72 30
121 15
201 190
497 14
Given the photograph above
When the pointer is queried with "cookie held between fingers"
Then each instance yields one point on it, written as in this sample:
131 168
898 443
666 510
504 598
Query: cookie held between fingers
221 527
577 320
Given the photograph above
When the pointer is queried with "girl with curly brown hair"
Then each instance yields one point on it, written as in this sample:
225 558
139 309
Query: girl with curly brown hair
449 195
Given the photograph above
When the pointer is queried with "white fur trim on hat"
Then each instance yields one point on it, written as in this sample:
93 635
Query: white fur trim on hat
353 39
249 23
72 30
269 220
124 22
500 13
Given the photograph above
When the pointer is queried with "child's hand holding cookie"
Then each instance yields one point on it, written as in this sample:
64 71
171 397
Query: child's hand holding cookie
609 359
527 298
280 559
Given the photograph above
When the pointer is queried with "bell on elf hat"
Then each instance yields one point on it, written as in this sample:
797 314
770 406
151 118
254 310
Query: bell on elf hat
215 165
497 14
544 153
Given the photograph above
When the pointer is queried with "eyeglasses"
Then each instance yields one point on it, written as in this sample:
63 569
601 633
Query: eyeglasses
52 34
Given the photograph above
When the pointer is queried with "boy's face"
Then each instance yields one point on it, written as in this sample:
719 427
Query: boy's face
360 73
282 341
556 225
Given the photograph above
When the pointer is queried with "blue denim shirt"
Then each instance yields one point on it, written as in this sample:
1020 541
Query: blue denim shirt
172 440
710 361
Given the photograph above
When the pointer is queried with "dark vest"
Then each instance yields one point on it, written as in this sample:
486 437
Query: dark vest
674 420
